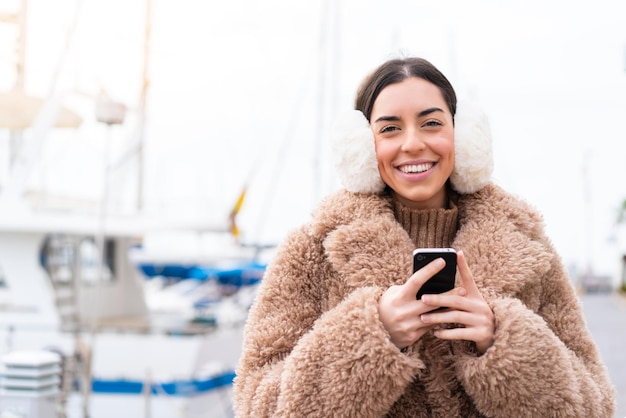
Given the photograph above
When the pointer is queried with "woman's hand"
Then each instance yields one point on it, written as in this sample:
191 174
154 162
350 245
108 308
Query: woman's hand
400 311
470 311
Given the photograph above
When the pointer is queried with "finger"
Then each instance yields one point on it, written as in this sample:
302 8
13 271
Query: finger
454 299
452 316
421 276
466 275
460 291
482 336
458 333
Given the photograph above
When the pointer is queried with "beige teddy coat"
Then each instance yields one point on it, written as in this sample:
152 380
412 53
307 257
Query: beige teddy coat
315 347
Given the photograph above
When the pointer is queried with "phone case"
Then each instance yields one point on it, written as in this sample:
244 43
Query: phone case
441 282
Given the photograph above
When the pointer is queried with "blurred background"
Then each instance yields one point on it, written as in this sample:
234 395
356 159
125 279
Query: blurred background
244 94
192 113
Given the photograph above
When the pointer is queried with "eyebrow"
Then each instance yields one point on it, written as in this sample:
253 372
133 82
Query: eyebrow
423 113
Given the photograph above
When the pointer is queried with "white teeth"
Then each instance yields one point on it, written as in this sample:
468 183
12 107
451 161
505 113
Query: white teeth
416 168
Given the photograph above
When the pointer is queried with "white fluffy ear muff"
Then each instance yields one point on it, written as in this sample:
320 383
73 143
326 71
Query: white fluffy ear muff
354 152
473 153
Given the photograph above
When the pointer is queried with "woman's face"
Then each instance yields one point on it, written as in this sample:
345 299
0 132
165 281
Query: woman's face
414 136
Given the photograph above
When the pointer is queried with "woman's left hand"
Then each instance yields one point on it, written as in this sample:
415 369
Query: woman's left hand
470 311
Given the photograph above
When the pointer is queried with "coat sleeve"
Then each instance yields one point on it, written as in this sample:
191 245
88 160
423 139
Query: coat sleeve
298 360
542 363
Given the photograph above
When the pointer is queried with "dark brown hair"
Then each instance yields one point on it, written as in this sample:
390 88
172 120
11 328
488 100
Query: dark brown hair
397 70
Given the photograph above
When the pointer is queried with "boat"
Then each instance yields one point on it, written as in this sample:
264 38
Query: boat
141 324
120 341
56 295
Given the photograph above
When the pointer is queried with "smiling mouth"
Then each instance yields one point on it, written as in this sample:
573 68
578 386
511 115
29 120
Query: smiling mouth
416 168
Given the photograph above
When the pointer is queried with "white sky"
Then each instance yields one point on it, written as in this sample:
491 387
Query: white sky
238 95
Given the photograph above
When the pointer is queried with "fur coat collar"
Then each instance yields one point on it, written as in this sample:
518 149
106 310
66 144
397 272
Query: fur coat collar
361 230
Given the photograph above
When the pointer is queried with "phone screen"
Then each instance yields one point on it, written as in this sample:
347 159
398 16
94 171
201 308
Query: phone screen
441 282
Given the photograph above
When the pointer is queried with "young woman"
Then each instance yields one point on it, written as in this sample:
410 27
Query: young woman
337 331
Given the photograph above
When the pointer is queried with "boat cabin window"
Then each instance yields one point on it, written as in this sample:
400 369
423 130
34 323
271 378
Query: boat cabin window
67 258
90 270
3 282
5 297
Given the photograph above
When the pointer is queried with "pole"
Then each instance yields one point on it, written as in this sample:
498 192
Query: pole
21 46
142 104
147 393
16 136
589 270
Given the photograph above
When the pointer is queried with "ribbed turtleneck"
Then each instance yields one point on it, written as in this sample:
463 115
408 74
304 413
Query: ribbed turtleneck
428 228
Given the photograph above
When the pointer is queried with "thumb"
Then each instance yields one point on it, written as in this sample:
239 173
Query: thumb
421 276
467 280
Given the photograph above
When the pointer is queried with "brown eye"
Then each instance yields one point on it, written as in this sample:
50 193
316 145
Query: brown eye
433 123
387 129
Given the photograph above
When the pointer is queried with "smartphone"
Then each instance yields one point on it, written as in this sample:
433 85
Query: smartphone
444 279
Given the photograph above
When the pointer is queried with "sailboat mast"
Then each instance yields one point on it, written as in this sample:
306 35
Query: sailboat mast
18 19
327 79
588 275
143 103
21 46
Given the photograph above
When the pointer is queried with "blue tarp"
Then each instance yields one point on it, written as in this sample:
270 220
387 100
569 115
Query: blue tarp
173 388
239 275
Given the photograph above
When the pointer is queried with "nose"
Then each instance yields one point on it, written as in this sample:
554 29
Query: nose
413 141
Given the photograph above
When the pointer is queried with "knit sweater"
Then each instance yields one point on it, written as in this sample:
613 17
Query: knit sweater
427 228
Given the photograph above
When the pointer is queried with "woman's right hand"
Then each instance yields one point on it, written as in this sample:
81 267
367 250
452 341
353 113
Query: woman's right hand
400 311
